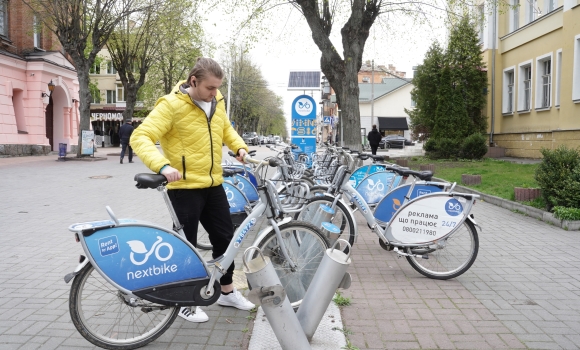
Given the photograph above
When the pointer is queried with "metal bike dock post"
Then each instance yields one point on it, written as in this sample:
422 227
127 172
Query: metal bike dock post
330 275
268 291
321 219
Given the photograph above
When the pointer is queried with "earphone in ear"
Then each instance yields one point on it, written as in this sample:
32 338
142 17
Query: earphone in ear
194 84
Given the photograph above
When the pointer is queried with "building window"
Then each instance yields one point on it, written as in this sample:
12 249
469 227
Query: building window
36 33
413 103
576 70
508 90
96 68
550 5
531 10
525 86
111 96
544 81
96 97
558 76
366 80
120 93
110 68
4 18
514 15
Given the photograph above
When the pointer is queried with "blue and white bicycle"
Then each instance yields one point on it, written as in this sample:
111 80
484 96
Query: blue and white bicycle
134 276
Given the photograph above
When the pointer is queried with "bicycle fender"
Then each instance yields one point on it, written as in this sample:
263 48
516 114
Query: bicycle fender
472 219
262 234
69 276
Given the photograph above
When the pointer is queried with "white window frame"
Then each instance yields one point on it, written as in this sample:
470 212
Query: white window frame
514 15
4 18
36 33
531 10
122 88
506 85
110 68
576 71
541 83
111 96
521 86
549 5
558 77
96 99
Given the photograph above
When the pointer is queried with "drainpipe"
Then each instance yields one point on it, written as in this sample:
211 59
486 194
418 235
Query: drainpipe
494 42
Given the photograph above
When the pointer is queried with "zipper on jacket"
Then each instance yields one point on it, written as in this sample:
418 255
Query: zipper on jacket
183 164
211 149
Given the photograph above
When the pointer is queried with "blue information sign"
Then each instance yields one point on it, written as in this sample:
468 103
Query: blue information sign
304 126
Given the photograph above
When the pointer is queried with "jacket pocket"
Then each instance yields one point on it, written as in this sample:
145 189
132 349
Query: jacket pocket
184 169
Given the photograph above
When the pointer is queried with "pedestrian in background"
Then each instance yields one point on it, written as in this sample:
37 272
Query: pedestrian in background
191 124
125 133
374 138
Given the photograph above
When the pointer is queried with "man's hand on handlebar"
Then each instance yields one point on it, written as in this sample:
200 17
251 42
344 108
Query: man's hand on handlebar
171 174
241 154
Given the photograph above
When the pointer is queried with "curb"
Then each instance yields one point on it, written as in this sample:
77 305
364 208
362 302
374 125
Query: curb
521 208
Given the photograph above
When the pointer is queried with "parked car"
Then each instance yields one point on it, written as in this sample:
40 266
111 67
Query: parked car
394 141
277 139
263 139
251 138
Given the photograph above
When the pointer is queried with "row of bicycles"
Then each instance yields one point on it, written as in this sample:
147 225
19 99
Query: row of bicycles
134 275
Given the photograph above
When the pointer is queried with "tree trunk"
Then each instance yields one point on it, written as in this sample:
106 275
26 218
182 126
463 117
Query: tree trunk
130 101
84 102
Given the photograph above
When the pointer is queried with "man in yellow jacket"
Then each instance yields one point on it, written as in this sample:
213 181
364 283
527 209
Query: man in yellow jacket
191 125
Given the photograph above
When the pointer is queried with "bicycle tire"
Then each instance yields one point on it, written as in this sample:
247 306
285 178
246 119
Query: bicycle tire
306 247
93 299
318 190
342 218
445 263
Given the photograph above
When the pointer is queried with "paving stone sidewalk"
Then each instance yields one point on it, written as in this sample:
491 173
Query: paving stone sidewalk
522 292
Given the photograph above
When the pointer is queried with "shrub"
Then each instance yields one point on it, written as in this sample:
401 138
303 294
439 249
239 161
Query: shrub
556 175
565 213
430 145
474 147
442 148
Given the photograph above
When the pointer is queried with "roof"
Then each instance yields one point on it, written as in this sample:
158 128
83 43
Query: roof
386 87
393 123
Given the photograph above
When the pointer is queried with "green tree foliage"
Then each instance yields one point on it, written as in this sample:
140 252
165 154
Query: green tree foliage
181 42
253 106
425 86
449 94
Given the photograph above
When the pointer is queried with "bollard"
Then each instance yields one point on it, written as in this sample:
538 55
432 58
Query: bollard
330 231
330 275
324 213
268 291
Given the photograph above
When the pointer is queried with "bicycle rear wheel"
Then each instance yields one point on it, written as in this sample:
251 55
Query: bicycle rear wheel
452 258
104 317
306 247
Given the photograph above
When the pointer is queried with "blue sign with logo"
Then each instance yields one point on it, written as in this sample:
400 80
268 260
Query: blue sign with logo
453 207
303 130
137 257
395 199
235 197
327 120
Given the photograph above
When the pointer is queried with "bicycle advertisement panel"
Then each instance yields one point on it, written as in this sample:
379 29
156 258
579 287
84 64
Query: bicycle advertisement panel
429 218
304 126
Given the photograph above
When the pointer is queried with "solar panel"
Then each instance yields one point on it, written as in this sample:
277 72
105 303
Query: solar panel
304 80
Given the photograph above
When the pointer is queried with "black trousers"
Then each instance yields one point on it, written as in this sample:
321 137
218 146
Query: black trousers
124 146
374 149
210 207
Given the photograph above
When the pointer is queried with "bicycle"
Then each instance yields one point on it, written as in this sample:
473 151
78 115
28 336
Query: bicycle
410 221
134 277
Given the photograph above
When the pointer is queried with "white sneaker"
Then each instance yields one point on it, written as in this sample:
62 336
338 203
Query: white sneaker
196 316
235 299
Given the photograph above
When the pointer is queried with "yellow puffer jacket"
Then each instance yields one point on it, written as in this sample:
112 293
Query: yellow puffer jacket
191 143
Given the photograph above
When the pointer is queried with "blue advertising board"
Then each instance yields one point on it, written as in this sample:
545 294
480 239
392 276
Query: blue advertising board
304 126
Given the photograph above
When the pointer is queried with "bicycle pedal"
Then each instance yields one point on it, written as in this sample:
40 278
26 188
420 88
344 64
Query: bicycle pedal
385 246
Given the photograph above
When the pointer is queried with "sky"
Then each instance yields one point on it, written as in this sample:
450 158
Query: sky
287 44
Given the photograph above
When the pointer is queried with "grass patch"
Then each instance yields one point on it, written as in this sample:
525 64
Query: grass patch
340 300
498 177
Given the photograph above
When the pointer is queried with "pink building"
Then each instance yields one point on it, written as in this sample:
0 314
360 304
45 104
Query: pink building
33 119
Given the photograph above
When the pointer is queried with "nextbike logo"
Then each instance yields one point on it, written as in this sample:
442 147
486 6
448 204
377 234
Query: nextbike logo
453 207
303 107
138 248
423 192
243 233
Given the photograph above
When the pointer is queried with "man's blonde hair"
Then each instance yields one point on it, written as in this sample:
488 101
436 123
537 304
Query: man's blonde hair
203 68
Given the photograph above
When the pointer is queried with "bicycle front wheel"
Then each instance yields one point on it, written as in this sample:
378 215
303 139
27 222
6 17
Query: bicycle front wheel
107 318
453 256
306 247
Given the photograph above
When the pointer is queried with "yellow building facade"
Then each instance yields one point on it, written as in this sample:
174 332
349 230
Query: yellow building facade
534 100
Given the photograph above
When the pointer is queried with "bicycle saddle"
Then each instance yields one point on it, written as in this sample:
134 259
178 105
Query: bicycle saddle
229 172
363 156
149 180
381 158
423 175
